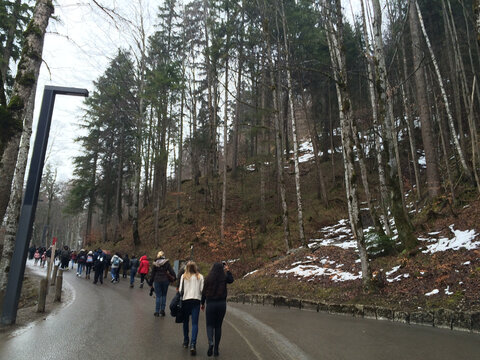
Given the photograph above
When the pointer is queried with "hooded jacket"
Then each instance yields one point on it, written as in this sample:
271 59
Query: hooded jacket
160 268
144 265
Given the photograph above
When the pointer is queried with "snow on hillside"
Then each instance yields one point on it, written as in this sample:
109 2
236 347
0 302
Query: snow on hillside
340 235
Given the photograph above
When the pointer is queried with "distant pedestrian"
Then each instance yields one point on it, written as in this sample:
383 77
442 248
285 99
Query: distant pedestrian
99 266
81 259
215 294
36 256
143 269
162 275
43 258
73 258
134 264
125 265
191 284
108 259
115 262
31 252
89 264
65 257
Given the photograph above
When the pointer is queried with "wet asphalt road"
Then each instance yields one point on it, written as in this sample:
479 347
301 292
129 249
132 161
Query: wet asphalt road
112 321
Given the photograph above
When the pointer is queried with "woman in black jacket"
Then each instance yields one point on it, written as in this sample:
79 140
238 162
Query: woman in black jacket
215 294
162 275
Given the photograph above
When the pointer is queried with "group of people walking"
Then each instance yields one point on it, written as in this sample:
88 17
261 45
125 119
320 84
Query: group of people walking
196 292
207 294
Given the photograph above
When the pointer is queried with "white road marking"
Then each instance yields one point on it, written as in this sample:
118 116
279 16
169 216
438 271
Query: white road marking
286 349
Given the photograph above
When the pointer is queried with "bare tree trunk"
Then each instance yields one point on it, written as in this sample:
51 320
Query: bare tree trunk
141 44
444 94
386 116
298 190
384 197
25 82
338 59
278 141
433 182
236 122
15 203
476 9
225 137
321 188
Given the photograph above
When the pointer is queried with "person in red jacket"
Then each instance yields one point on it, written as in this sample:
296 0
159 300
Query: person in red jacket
143 269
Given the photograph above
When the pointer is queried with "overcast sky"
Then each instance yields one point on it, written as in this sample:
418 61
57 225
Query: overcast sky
79 44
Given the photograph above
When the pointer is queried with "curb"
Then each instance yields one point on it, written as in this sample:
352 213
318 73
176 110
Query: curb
440 318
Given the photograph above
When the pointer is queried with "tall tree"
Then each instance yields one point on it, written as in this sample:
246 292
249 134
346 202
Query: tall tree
12 115
334 30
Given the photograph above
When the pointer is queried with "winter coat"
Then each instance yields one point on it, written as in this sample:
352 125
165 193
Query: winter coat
82 257
192 288
160 268
144 265
100 261
116 261
221 288
126 262
134 264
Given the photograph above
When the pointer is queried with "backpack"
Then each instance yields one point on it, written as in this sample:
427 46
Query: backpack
89 259
116 261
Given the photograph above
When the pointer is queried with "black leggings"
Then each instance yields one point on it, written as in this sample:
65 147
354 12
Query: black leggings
215 313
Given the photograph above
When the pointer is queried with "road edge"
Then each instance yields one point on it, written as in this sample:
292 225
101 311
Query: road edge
439 318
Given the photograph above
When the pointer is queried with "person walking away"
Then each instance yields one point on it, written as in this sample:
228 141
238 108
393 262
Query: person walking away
125 265
108 259
191 284
31 252
73 258
88 264
116 262
65 257
43 258
81 258
36 256
162 275
99 265
134 264
215 294
143 269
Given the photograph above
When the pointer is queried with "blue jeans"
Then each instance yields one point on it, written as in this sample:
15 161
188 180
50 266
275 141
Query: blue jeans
114 273
191 307
161 289
80 268
133 271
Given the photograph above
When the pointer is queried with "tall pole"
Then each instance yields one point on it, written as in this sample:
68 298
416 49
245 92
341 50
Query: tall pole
29 206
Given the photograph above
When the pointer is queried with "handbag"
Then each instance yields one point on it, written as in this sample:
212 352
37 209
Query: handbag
176 306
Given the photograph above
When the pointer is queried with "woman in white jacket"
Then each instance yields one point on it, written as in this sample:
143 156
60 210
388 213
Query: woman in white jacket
191 284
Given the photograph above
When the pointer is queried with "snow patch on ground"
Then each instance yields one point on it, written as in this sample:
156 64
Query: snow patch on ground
250 273
433 292
462 239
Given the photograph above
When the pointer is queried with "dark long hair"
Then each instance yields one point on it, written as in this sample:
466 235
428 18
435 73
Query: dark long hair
215 281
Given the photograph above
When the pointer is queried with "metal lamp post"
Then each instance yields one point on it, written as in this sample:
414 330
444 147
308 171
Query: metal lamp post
29 206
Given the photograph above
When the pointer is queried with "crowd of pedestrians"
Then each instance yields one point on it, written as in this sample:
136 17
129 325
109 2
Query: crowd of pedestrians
207 294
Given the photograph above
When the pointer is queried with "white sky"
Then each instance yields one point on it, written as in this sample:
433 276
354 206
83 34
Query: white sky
78 47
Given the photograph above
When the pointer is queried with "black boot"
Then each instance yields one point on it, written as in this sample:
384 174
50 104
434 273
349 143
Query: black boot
210 350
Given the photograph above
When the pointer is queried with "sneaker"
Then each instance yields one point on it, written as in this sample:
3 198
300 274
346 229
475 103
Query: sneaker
210 350
112 281
162 312
156 314
141 285
185 344
193 350
131 285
